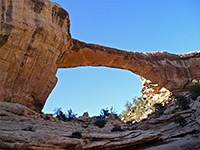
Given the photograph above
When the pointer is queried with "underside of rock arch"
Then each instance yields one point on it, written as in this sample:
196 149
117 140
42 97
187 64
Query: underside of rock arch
35 41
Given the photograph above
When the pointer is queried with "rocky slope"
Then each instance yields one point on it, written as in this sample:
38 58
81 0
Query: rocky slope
181 135
35 41
23 128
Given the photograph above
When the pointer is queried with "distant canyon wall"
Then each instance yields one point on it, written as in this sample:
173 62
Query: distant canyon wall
35 41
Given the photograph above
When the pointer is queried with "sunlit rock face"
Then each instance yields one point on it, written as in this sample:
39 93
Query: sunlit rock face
161 72
35 41
34 34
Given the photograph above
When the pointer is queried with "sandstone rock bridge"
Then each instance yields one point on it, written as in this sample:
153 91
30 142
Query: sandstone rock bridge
35 41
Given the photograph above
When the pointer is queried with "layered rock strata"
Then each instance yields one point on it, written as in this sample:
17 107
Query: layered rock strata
35 41
34 34
23 128
175 136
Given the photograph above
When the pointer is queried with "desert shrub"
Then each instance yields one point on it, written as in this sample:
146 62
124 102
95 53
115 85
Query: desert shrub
141 106
64 117
8 100
106 112
100 122
194 90
70 115
158 106
59 114
76 134
179 120
129 106
125 113
183 102
138 112
117 128
129 121
159 109
113 112
137 109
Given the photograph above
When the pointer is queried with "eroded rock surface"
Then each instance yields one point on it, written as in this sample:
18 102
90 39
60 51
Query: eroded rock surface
34 34
23 128
160 72
175 136
35 41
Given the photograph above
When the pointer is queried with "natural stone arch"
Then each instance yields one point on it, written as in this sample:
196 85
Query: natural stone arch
35 41
160 72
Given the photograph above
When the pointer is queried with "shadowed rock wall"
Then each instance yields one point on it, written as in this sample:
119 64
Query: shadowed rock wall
35 41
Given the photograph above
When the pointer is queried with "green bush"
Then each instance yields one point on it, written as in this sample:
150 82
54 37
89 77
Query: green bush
159 109
138 112
129 121
70 115
183 102
106 112
137 109
124 115
158 106
141 105
61 116
114 112
100 122
180 120
194 90
76 134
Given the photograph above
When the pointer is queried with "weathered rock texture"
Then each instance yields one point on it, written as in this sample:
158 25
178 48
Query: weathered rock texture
35 41
175 136
160 72
34 34
23 128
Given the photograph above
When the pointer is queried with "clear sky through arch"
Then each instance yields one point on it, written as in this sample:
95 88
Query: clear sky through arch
134 25
90 89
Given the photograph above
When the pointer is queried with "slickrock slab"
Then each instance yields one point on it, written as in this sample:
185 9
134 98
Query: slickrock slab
22 128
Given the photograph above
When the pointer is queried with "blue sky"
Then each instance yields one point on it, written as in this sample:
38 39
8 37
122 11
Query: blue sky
134 25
